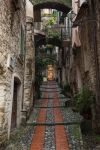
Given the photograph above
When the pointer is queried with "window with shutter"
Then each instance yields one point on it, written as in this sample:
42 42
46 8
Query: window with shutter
22 43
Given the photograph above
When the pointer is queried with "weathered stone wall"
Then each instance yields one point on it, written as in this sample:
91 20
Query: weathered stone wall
98 27
84 58
88 70
29 66
11 20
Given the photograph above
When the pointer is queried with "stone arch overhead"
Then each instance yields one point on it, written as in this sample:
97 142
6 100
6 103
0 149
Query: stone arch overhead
60 5
64 2
53 4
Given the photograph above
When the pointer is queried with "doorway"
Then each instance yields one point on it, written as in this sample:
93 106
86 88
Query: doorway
16 88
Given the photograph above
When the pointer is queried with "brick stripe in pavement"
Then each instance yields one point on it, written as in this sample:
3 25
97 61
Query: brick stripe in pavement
60 133
38 138
61 140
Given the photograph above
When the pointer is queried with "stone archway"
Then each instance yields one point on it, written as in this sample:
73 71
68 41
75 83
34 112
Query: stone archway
64 2
53 5
61 5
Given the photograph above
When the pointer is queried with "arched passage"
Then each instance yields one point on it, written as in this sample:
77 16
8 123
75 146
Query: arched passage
53 5
64 2
60 6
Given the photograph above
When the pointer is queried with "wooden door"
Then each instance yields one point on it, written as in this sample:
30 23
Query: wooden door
14 107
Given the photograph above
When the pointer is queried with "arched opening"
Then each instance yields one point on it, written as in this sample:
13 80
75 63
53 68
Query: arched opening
49 5
53 5
16 104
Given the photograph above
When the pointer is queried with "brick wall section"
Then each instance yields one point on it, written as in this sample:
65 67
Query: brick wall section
10 24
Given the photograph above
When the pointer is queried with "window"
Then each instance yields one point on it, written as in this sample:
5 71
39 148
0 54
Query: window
22 41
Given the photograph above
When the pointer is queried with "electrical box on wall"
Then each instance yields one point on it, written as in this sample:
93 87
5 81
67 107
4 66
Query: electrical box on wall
10 62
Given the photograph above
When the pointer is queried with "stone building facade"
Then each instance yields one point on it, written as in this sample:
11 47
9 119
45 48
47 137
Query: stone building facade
16 63
12 50
81 48
85 49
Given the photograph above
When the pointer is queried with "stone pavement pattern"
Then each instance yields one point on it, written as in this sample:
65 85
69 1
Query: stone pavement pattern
52 137
49 110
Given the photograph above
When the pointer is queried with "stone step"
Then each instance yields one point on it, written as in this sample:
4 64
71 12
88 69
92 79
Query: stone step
49 107
49 91
52 123
44 87
53 98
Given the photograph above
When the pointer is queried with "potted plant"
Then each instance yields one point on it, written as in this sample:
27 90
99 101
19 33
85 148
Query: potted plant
66 90
83 101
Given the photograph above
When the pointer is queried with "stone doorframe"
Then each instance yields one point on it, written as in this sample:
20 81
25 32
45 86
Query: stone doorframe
19 102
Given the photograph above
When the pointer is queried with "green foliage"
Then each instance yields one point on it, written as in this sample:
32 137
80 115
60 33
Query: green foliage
66 89
84 99
38 76
76 132
51 21
97 138
40 65
53 34
50 33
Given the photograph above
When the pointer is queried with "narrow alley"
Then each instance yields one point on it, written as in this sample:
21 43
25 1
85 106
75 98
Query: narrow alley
47 134
57 127
52 125
49 74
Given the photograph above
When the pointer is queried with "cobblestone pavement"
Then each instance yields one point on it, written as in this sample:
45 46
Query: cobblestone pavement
52 126
55 134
